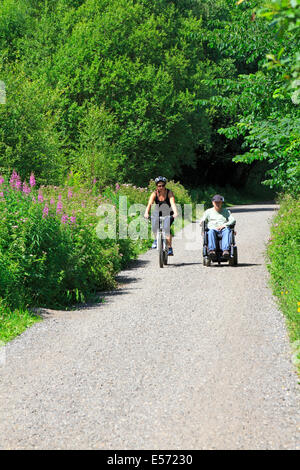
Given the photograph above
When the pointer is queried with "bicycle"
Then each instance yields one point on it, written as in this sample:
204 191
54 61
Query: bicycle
161 243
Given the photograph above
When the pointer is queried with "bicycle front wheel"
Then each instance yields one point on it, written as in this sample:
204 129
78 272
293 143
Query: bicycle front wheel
160 250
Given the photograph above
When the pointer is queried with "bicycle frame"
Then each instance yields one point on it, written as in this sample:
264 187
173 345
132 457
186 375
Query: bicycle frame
161 240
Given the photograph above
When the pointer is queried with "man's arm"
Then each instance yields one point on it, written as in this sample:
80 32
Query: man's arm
204 217
230 221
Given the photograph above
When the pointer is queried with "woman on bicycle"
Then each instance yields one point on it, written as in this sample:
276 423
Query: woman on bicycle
164 206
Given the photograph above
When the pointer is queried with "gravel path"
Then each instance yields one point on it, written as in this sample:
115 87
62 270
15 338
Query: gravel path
184 357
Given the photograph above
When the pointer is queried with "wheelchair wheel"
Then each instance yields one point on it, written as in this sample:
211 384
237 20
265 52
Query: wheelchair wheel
206 261
235 256
234 261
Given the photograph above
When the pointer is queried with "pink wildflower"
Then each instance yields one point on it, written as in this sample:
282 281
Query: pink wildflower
64 219
40 197
45 211
52 201
1 179
59 207
32 180
72 220
1 194
117 186
26 189
14 180
70 194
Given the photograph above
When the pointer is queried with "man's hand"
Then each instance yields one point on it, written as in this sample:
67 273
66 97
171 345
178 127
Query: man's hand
221 228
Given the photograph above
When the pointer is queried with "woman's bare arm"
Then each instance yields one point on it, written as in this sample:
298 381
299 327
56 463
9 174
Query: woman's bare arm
150 202
173 205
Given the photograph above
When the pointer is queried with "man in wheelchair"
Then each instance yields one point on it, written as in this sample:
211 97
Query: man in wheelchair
218 223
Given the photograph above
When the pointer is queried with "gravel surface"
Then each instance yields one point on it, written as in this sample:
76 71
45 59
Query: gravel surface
185 357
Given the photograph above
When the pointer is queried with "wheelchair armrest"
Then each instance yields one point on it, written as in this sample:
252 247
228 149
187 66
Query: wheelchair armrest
204 228
232 225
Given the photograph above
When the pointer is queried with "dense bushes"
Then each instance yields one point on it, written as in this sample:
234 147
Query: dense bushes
284 261
49 250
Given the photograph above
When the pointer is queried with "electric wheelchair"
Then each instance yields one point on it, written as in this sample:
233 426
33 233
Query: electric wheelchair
218 258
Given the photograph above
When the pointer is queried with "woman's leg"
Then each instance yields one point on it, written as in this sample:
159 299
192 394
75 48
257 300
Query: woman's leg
155 224
167 227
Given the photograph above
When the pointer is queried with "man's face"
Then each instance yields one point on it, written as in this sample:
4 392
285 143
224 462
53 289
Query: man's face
217 205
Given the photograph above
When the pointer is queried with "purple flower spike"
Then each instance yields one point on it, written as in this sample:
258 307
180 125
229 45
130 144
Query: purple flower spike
59 207
52 201
73 220
70 194
40 197
26 189
45 211
64 219
117 186
1 179
15 180
32 180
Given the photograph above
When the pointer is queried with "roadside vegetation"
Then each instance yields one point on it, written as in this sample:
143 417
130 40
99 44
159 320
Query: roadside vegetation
284 261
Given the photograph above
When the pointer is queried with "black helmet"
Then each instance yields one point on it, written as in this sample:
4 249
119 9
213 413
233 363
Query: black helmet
160 178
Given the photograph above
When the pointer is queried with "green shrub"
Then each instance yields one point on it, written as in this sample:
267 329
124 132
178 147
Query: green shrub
284 261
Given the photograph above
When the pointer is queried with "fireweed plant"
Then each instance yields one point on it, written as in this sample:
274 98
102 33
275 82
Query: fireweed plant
50 254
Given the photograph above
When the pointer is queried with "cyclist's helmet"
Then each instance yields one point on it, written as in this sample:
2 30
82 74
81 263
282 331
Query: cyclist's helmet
160 179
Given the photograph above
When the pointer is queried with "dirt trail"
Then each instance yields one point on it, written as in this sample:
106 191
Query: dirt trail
184 357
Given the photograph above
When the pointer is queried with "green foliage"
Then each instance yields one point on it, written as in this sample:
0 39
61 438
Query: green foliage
29 139
119 90
51 255
284 260
261 107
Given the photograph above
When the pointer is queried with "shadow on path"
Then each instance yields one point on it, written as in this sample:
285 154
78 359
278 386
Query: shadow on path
182 264
253 209
239 265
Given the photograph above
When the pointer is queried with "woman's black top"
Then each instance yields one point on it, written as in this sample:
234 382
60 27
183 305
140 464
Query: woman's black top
161 206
